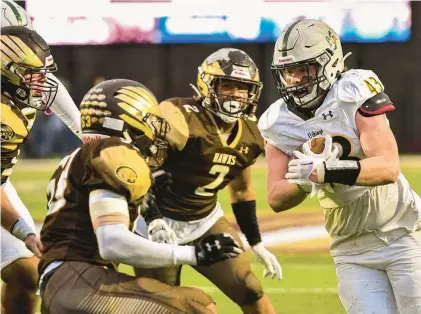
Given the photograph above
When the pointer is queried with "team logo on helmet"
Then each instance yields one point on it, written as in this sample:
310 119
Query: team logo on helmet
332 40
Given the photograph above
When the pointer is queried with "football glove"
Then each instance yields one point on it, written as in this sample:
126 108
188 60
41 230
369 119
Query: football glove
159 231
330 151
216 248
272 267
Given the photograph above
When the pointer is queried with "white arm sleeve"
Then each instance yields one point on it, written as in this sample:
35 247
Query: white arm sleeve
65 108
117 243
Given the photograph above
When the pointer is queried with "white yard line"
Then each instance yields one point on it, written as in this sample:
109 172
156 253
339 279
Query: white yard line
286 235
210 289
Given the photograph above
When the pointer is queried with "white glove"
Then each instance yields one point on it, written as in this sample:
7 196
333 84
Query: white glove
330 151
301 168
263 256
160 232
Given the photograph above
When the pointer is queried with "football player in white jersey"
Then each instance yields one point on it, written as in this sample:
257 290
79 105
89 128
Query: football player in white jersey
370 210
18 264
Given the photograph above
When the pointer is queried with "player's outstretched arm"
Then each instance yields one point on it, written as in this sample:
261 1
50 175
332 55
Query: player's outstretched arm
110 218
379 144
281 194
11 221
65 108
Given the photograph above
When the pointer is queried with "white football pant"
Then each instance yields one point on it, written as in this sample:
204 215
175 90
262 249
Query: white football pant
11 247
383 280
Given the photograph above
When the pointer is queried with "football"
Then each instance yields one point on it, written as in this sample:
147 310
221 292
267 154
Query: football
317 145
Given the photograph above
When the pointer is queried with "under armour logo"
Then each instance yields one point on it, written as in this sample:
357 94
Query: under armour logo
217 245
325 115
244 150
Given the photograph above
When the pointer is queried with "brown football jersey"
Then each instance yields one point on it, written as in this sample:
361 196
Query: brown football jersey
15 127
205 162
110 164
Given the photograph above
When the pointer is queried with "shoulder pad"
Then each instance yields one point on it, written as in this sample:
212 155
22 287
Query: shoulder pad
376 105
358 85
179 129
269 126
123 170
269 117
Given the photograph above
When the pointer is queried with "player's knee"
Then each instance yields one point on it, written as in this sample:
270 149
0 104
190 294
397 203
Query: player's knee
197 299
22 275
252 290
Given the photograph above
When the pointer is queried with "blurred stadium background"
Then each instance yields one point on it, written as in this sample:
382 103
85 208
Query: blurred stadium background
162 42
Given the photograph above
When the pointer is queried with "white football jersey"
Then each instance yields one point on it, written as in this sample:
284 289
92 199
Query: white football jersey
350 210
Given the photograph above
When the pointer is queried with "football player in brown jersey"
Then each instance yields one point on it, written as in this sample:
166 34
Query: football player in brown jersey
93 201
25 62
215 141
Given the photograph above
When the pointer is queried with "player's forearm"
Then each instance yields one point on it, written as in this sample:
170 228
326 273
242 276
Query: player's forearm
116 243
9 216
245 214
378 170
65 108
283 195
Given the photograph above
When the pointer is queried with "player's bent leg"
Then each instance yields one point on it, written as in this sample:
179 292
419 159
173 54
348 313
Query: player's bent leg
235 278
405 273
20 286
79 287
364 290
168 275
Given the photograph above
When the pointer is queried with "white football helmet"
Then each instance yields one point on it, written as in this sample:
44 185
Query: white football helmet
305 43
14 15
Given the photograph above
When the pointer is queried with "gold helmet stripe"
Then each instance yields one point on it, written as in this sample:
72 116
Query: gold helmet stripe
24 53
137 113
138 125
7 52
136 104
142 93
140 99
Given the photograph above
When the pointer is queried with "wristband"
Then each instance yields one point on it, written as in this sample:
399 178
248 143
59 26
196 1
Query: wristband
339 171
21 229
245 214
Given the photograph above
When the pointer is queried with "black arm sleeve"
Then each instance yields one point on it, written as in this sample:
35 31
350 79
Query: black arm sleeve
245 214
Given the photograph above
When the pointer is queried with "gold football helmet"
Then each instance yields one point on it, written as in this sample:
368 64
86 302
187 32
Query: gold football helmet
25 62
234 65
129 110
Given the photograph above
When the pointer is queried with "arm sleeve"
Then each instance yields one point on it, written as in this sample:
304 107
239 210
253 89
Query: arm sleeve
65 108
116 243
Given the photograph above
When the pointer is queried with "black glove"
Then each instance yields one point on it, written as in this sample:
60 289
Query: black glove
161 182
216 248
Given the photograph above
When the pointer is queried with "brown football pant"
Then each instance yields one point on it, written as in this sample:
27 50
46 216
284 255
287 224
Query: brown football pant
80 287
233 276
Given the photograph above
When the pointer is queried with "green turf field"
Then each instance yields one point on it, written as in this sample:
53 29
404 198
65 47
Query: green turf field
309 284
30 179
